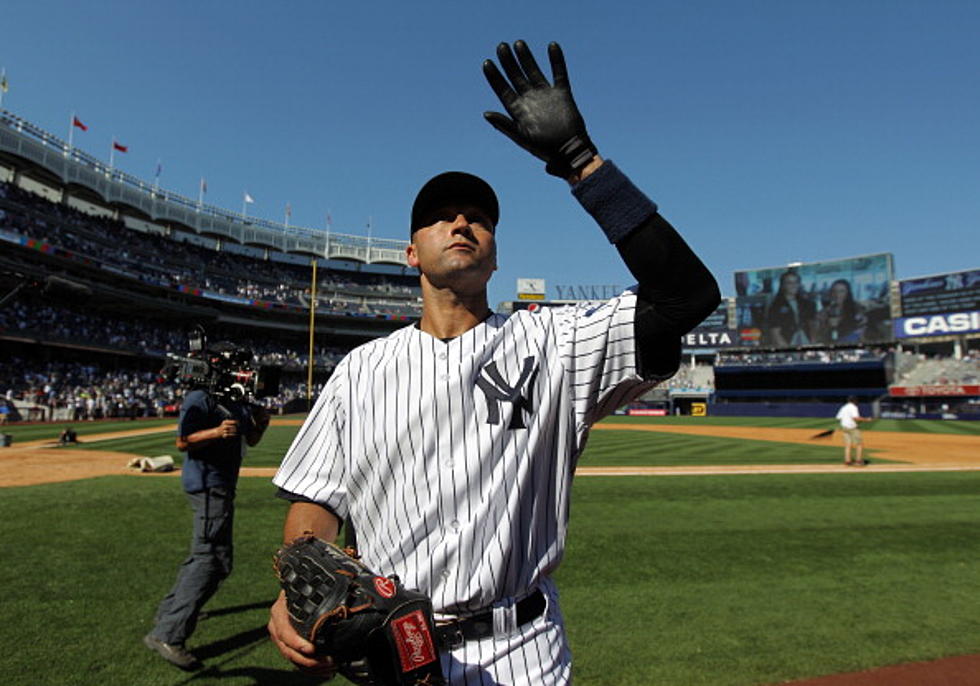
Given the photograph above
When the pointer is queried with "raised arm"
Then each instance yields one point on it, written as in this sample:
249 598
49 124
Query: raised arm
676 291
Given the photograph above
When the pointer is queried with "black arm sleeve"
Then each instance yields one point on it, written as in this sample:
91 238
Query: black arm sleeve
675 290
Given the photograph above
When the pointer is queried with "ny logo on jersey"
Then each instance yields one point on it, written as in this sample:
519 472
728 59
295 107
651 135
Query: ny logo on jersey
497 390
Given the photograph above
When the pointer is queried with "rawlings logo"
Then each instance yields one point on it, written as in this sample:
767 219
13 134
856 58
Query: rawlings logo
414 642
384 586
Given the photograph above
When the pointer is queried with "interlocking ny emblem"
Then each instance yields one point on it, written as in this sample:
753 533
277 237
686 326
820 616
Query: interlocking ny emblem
497 390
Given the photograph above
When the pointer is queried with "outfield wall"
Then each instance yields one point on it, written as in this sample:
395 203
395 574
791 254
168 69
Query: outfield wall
829 411
778 409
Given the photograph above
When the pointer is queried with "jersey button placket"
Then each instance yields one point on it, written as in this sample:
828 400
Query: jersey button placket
448 400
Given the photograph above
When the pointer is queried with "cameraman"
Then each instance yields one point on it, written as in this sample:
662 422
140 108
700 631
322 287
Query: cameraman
213 432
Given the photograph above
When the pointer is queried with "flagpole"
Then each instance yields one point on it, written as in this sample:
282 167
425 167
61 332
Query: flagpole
71 129
244 205
3 82
112 155
200 195
309 373
369 240
326 246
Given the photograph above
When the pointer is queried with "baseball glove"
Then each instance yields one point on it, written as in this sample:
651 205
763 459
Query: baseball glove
377 631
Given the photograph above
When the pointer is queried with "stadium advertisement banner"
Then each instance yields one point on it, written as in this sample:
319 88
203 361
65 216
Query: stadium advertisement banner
953 292
714 332
835 302
938 324
725 338
934 390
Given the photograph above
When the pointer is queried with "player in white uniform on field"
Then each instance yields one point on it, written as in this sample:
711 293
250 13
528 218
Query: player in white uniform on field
451 444
849 415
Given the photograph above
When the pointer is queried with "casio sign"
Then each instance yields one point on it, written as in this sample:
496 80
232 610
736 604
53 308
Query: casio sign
938 324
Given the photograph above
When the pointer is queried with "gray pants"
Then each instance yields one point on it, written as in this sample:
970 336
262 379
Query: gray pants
207 565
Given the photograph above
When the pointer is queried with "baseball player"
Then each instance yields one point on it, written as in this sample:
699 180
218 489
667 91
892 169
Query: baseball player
451 444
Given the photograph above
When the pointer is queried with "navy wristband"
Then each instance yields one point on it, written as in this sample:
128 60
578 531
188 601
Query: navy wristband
613 201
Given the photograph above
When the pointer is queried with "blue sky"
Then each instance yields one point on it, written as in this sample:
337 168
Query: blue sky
766 131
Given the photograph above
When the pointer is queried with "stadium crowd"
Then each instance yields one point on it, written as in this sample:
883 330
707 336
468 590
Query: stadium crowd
73 391
175 263
797 356
34 319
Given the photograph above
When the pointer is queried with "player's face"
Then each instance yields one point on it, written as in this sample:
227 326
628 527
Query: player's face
455 247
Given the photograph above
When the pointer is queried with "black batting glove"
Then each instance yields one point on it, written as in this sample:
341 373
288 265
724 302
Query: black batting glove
544 119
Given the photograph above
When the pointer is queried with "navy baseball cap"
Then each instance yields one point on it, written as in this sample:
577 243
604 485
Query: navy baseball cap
454 187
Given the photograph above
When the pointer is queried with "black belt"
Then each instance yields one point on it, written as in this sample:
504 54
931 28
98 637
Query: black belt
452 634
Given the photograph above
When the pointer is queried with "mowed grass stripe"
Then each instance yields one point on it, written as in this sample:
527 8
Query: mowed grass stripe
268 453
913 425
613 448
52 430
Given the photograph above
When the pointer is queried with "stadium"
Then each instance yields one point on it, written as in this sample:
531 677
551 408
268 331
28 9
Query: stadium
81 311
105 276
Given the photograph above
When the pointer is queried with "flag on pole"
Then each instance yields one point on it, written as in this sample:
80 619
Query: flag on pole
204 186
74 123
248 198
4 84
289 210
159 169
119 146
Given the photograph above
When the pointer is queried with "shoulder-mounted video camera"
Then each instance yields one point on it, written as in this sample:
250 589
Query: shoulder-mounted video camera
222 370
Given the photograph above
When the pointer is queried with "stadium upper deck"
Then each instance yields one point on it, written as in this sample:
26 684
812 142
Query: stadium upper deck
100 224
37 160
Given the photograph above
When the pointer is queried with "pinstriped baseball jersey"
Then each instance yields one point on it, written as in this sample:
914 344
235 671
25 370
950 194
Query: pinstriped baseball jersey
454 460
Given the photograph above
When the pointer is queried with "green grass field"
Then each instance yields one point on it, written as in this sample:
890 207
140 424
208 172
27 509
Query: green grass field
673 581
51 430
268 453
605 448
913 425
644 448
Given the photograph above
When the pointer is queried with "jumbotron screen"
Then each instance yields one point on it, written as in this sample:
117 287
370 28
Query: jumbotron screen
836 302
